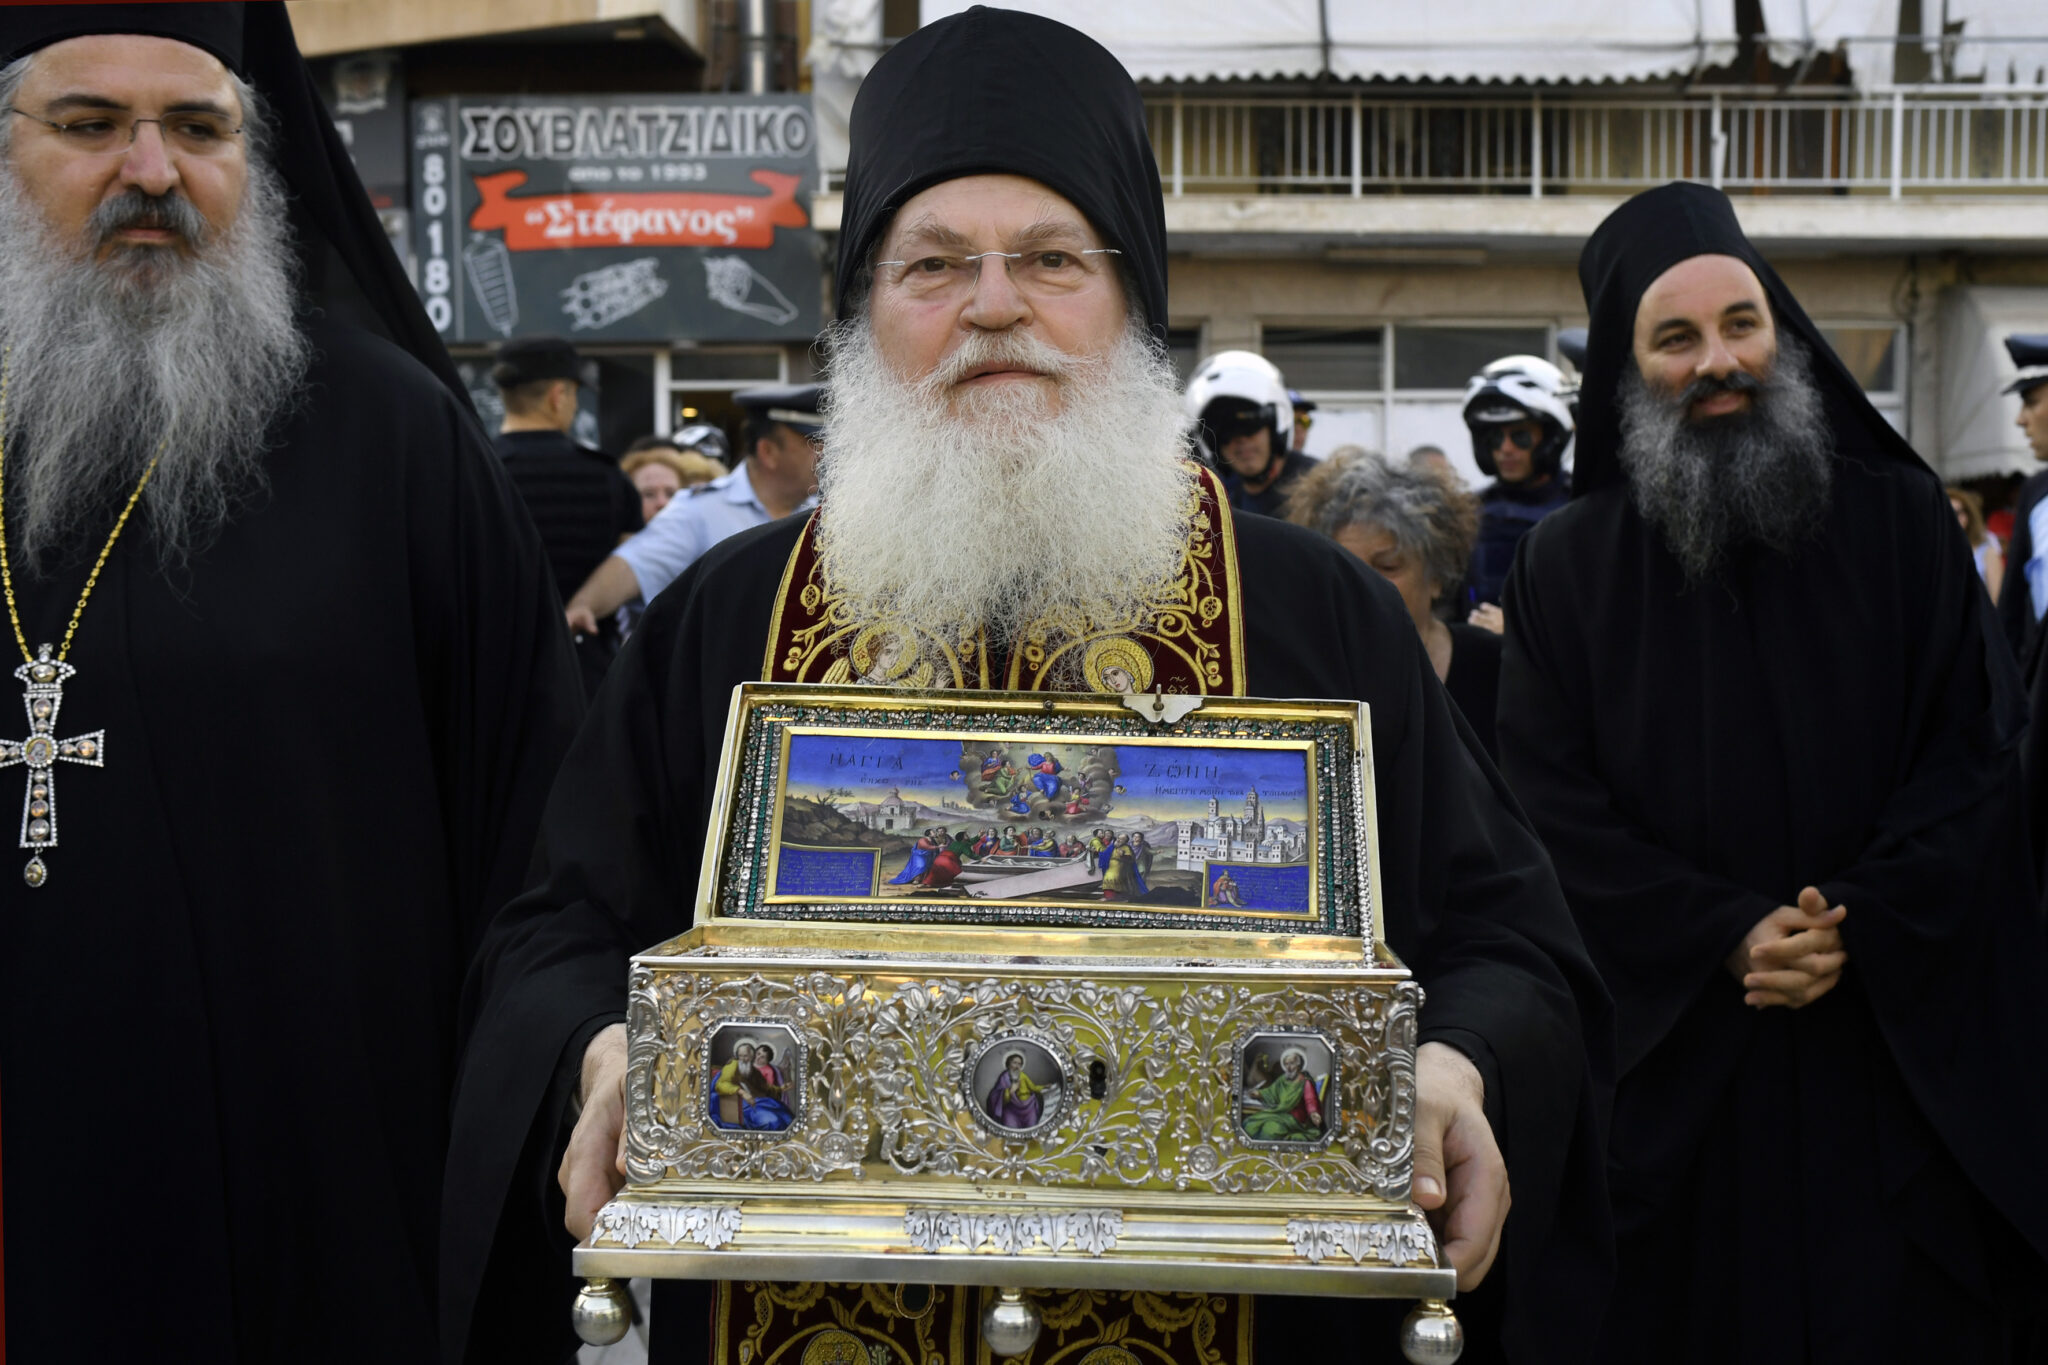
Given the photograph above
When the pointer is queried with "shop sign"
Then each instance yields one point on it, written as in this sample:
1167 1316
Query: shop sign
617 218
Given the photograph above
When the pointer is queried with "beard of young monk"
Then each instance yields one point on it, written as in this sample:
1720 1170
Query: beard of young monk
993 506
1761 476
114 357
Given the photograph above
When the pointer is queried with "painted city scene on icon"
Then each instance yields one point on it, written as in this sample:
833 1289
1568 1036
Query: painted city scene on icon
894 817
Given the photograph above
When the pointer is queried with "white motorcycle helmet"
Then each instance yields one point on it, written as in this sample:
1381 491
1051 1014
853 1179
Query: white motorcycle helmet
1233 390
1513 389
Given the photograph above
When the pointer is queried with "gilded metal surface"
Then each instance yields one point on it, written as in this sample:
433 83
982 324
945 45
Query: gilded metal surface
883 1093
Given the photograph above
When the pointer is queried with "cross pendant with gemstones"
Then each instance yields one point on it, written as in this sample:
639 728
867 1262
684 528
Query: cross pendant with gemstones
44 679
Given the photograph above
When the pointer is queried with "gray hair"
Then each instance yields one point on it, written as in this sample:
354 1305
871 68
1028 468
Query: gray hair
1426 513
259 128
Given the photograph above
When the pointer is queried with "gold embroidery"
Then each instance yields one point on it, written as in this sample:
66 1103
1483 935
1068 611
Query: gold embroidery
1190 633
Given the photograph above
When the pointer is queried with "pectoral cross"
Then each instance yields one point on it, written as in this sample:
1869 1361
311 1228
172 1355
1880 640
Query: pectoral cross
43 677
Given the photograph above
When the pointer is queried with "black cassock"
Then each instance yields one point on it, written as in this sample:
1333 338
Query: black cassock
230 1013
1859 1179
1472 906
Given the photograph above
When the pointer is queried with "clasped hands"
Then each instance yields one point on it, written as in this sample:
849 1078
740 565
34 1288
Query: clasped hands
1793 956
1460 1180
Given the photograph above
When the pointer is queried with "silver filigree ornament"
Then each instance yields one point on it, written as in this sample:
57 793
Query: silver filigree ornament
42 679
1316 1240
885 1060
1089 1231
710 1226
668 1129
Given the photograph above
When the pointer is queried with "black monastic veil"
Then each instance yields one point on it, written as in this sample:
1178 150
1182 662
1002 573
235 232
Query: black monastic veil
1471 902
1857 1178
230 1015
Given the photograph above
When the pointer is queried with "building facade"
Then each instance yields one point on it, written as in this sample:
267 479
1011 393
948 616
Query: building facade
1382 203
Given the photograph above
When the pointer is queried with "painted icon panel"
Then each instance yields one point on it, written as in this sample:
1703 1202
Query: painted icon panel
1223 827
1287 1088
1017 1085
753 1076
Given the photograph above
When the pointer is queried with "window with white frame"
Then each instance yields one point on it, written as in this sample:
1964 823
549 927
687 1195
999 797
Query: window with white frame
1395 387
1875 355
1392 387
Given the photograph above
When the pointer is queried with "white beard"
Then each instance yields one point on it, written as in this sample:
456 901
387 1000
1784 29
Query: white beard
111 361
992 509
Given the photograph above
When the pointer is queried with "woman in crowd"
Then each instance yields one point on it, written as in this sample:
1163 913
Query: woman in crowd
1415 526
660 471
1983 545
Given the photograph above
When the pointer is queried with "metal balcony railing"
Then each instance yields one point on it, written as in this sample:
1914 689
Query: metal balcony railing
1892 143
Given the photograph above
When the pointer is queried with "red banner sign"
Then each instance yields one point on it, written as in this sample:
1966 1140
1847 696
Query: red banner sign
547 222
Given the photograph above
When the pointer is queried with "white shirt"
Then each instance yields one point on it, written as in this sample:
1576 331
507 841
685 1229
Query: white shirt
2037 567
691 524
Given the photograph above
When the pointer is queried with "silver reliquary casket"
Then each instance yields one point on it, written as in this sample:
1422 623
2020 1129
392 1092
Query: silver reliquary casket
1029 993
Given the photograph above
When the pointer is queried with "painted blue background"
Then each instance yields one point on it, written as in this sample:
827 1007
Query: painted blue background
825 871
1281 887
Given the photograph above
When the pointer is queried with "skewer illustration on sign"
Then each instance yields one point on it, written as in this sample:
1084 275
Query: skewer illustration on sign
732 283
489 266
599 298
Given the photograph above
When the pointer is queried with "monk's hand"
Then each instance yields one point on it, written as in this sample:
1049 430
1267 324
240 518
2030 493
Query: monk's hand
1794 956
1487 616
594 1166
1460 1180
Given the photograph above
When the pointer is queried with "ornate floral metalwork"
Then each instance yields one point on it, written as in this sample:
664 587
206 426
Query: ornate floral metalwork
669 1130
1091 1231
886 1060
1316 1240
710 1226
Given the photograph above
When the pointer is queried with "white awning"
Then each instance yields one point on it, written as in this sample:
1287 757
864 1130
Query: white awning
2001 41
1545 41
1978 434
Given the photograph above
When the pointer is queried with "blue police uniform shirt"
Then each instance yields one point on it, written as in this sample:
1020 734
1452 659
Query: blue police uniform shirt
2037 567
692 524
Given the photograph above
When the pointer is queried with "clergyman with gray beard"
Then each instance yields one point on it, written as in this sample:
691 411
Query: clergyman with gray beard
282 760
1007 502
1755 699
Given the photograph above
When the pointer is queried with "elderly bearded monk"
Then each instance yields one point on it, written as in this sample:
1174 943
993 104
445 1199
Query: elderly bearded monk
1760 710
317 756
1004 484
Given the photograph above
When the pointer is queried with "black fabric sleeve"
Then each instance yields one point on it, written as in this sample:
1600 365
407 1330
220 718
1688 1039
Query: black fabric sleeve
1943 970
616 874
1610 863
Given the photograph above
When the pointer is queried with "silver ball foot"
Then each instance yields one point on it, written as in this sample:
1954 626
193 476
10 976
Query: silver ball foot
602 1312
1010 1324
1432 1335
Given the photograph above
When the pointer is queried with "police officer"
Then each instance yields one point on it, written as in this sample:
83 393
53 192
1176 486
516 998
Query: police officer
1518 411
777 477
1245 422
2023 596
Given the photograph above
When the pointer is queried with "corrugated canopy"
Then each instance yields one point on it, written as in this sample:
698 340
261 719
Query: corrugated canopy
1452 40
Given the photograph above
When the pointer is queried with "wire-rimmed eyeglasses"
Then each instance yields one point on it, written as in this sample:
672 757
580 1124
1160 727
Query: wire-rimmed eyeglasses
194 132
1041 273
